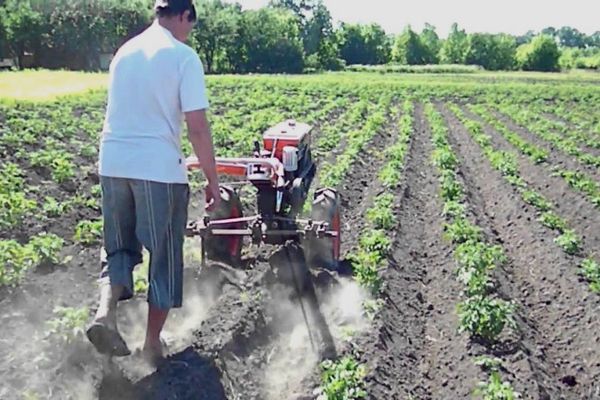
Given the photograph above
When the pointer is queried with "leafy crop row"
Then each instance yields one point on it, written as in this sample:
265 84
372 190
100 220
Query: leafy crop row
391 173
587 125
332 133
14 203
582 183
16 258
333 173
568 125
482 314
374 243
344 378
535 153
251 110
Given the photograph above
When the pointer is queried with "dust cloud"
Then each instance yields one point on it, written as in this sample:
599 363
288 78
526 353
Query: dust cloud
36 364
292 359
41 366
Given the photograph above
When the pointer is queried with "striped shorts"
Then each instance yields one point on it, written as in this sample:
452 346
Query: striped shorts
140 213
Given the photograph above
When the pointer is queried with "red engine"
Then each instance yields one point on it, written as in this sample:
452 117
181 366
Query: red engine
287 133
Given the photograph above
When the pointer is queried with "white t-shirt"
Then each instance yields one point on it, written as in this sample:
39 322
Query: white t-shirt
153 80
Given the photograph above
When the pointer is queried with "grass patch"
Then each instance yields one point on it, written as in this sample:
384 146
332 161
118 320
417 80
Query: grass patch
43 85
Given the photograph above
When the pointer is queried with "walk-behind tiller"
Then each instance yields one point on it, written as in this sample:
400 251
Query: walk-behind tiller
282 172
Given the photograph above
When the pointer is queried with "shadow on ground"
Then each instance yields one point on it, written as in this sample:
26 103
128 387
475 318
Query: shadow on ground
186 376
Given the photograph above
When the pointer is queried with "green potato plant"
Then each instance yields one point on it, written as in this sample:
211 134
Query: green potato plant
88 232
342 380
68 325
485 317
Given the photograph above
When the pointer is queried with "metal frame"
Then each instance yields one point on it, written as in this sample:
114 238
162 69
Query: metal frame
258 229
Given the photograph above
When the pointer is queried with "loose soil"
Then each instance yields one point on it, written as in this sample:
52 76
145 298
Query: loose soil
242 310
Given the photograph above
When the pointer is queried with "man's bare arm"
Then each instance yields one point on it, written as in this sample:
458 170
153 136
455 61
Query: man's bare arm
201 139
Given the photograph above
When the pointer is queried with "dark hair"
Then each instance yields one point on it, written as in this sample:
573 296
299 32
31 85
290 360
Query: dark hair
173 8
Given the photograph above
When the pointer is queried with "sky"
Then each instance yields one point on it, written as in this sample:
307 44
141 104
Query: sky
508 16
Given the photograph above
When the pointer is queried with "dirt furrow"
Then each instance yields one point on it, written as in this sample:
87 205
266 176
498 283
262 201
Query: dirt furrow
413 351
557 354
571 205
231 326
361 185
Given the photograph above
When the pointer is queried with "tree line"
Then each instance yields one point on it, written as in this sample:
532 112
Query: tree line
286 36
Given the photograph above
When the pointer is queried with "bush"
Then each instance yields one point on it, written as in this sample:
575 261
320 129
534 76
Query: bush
312 63
580 59
492 52
328 57
542 54
23 28
416 69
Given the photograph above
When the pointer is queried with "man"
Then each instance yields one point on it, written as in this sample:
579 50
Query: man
155 80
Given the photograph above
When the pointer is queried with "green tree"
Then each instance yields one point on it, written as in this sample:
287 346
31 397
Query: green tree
23 28
549 31
493 52
317 29
377 44
594 39
454 49
268 40
526 38
216 32
80 31
71 34
3 39
299 8
328 56
408 48
315 23
431 44
363 44
542 54
506 52
570 37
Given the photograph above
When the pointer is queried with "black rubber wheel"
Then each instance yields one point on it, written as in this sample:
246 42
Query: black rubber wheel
325 252
226 249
